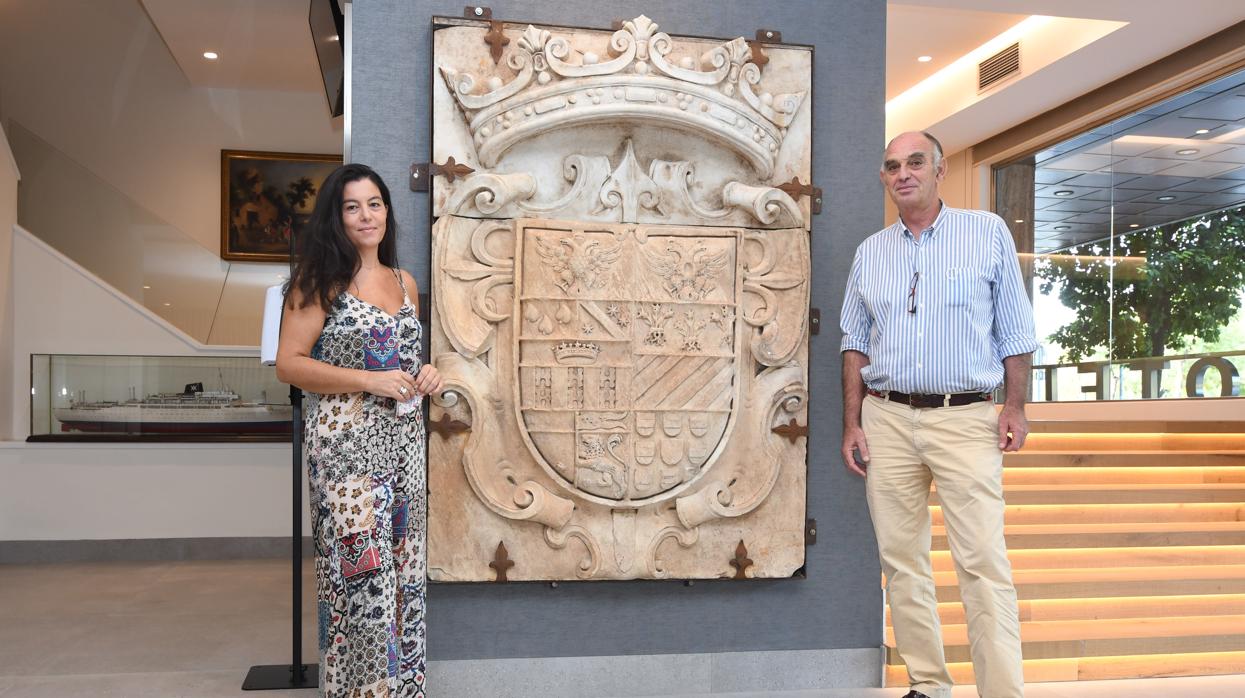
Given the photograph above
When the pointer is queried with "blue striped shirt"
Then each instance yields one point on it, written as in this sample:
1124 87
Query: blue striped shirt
972 310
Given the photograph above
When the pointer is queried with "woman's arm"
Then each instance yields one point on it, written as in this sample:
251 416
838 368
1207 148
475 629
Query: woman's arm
429 381
300 328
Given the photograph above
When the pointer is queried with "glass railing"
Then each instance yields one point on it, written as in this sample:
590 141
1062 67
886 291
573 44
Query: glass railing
148 259
1132 238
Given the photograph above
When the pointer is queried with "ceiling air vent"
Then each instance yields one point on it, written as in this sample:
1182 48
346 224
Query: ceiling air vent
998 67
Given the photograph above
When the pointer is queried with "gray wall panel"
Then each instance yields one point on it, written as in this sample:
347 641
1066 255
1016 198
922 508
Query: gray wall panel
839 605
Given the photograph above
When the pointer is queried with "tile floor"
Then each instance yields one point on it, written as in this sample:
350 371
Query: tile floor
148 630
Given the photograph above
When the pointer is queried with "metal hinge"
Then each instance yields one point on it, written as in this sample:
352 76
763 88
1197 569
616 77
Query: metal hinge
422 173
810 532
795 189
814 320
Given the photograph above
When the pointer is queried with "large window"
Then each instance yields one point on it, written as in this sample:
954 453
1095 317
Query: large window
1133 238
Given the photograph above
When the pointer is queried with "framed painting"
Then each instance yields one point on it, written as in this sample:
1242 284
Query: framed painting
266 199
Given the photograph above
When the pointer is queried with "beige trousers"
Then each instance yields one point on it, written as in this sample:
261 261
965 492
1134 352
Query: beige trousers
956 448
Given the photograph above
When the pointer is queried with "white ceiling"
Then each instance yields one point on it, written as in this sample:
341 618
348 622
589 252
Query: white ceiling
942 34
263 44
1153 30
266 44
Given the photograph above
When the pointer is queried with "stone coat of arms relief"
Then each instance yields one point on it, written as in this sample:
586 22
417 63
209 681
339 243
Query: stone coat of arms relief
620 306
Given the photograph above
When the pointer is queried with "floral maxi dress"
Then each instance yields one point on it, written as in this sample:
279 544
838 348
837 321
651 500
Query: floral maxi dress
369 504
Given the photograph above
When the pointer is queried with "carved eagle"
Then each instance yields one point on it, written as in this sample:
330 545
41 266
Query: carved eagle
578 263
687 274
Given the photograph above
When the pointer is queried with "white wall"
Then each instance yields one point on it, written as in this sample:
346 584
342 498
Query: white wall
104 491
111 491
94 79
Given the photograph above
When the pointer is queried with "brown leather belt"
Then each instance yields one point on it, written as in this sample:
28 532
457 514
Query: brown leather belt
933 400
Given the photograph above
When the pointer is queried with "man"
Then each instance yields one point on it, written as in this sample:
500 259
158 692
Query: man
934 319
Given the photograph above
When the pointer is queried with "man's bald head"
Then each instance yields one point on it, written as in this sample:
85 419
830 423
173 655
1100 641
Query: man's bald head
928 136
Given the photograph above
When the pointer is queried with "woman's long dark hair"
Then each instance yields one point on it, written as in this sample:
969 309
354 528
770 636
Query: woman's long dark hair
326 260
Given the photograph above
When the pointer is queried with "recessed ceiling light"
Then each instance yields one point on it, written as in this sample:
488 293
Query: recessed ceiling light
1187 151
1202 131
211 55
924 59
1020 220
168 305
1063 227
1167 197
1064 192
146 288
1134 225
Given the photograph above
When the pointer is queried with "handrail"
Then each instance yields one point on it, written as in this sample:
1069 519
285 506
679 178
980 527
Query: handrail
1138 359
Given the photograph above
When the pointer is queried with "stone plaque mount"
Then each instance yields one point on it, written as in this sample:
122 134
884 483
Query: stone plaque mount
621 278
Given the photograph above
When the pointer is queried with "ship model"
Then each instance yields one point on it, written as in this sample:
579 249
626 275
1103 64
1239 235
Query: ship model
192 411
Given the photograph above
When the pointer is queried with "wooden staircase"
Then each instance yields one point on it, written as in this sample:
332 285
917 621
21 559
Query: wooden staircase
1127 543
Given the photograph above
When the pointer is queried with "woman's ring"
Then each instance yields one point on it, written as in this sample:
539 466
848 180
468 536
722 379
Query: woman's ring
402 389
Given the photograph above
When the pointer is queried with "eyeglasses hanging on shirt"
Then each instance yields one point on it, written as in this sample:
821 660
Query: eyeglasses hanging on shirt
916 276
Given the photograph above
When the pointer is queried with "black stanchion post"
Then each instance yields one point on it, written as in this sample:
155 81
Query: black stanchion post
295 674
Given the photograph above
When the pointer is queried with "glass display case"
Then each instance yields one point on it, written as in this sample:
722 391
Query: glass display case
166 398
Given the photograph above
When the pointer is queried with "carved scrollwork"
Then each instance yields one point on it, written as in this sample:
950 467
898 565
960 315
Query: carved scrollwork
781 315
589 565
623 193
780 109
686 538
488 193
787 393
470 271
767 204
623 44
527 500
717 59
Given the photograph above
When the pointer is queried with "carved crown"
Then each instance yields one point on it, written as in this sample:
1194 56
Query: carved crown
576 352
558 85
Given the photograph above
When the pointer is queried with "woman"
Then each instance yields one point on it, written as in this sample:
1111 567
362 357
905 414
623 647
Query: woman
350 337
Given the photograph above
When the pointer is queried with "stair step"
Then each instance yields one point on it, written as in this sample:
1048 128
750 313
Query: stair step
1069 559
1102 668
1085 426
955 635
1109 646
1098 608
1113 574
1046 588
1115 513
1137 441
1123 474
1072 493
1132 457
1114 535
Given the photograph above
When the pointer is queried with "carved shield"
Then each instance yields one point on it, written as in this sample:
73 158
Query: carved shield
627 354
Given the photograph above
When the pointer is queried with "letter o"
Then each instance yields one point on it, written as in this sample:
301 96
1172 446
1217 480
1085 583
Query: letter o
1229 379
